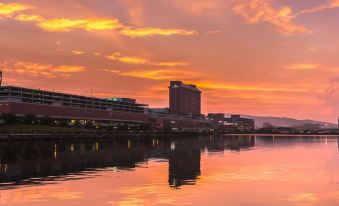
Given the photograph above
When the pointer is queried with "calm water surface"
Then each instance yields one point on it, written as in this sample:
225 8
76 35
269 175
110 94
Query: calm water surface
226 170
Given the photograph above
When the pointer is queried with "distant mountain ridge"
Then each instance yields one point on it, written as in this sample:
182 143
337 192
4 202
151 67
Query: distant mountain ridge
287 122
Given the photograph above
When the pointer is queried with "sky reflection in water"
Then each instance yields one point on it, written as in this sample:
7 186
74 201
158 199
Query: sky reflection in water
234 170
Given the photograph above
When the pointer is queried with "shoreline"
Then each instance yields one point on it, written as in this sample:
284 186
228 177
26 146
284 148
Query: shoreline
65 136
72 136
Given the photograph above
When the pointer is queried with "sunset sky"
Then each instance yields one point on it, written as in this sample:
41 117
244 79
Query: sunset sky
258 57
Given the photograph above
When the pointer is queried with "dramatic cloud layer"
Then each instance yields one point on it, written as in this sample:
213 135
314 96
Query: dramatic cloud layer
164 74
8 10
256 11
42 70
327 5
92 24
259 57
140 32
66 25
117 56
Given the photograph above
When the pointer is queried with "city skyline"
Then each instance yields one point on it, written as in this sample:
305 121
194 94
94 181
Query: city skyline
257 57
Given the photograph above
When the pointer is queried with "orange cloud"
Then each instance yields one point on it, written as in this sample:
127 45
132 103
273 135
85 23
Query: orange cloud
255 11
302 66
8 10
221 86
127 59
37 69
304 199
193 78
66 25
117 56
142 32
162 74
330 5
69 69
29 18
170 64
88 24
76 52
311 66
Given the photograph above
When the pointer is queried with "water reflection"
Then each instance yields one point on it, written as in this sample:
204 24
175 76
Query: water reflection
44 162
184 163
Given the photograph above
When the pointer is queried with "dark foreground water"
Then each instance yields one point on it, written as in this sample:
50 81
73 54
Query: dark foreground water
226 170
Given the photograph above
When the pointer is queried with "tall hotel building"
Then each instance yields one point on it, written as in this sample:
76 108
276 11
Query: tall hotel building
184 99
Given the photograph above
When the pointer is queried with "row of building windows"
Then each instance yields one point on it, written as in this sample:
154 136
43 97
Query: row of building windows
59 99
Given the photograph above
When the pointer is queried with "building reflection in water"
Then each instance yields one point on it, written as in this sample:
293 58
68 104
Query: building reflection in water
40 162
184 162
